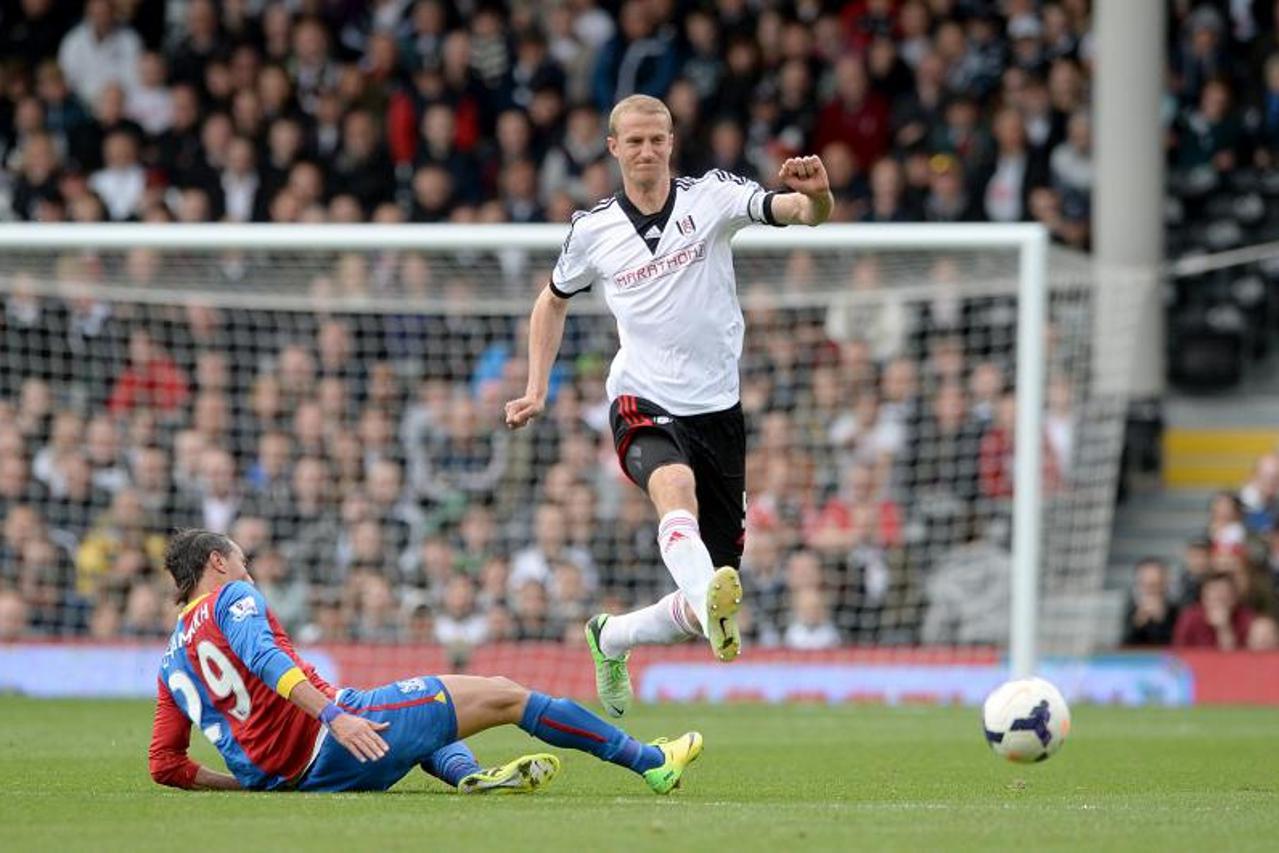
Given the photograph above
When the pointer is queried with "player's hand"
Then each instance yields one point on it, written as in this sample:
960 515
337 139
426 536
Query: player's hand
360 736
805 175
521 412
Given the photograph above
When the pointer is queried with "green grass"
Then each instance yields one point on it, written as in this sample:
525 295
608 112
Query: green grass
73 776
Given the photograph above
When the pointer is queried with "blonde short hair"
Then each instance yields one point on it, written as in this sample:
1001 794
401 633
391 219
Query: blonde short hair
638 104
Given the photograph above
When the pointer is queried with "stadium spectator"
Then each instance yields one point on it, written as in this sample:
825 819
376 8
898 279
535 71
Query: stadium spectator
460 623
996 455
21 524
438 146
948 198
968 591
1059 424
14 616
641 59
121 181
810 623
1263 635
1270 556
99 51
393 506
536 562
364 549
362 168
64 115
144 614
1201 53
76 502
1151 613
1259 497
268 475
936 462
240 184
37 181
1253 585
288 591
150 102
1014 172
152 379
1225 522
572 598
465 458
1196 565
220 498
1209 135
1071 168
534 619
305 504
1217 620
855 114
152 477
832 529
33 31
65 436
1267 111
122 528
45 576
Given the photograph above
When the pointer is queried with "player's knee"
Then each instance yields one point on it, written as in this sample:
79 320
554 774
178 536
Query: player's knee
673 487
507 697
501 682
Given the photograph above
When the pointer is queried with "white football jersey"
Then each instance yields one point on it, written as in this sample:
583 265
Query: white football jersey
668 279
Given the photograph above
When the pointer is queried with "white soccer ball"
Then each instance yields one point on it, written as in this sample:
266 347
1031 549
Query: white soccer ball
1026 720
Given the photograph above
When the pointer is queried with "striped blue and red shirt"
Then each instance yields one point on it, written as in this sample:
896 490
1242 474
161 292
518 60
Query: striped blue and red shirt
229 669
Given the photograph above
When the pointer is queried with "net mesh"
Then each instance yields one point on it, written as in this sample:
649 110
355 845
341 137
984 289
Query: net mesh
339 414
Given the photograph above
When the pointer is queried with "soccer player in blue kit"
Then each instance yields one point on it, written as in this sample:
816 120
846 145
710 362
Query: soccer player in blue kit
232 671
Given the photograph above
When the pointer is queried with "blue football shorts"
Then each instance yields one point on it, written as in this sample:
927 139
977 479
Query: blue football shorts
422 720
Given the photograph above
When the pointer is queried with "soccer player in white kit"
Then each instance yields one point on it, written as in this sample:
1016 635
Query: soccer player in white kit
660 250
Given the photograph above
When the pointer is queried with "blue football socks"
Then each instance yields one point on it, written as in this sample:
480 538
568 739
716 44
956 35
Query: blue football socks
450 764
562 722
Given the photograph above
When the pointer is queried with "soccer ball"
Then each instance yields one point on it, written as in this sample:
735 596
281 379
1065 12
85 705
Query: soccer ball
1026 720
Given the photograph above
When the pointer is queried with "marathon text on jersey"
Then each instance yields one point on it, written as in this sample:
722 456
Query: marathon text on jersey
667 264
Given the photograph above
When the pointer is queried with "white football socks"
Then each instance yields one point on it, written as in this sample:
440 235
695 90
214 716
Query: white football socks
662 623
686 558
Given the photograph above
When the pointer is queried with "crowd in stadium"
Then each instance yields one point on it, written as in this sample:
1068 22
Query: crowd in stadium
147 110
1223 593
379 507
252 111
379 503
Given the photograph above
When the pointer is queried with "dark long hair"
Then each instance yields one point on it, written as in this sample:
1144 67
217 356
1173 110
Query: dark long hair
187 555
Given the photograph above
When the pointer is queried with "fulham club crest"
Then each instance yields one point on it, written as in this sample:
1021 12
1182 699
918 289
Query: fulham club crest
686 225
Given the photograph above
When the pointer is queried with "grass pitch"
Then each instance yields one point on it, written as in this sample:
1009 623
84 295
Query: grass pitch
73 776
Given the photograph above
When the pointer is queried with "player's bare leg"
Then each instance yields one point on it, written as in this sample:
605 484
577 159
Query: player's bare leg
484 703
712 596
706 603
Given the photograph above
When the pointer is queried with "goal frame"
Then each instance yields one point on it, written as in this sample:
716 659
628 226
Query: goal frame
1029 241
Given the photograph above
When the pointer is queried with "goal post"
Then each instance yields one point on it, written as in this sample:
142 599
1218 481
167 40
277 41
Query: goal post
874 288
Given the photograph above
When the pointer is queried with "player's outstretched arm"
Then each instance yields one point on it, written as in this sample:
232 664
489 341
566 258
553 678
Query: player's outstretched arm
811 201
546 330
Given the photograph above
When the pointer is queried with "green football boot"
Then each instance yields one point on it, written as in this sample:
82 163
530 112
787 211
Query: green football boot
679 753
612 681
524 775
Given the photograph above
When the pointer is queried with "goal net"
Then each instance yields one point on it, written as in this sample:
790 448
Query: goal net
332 399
